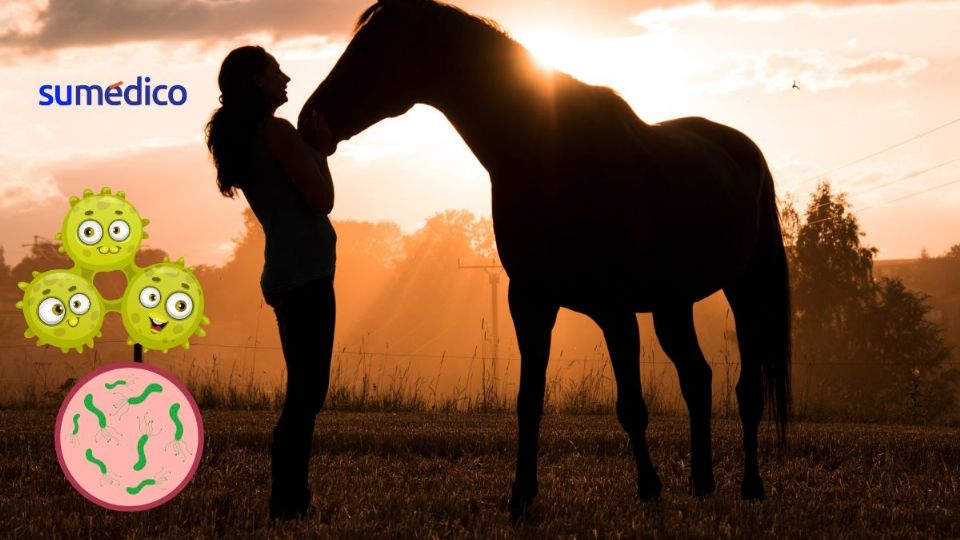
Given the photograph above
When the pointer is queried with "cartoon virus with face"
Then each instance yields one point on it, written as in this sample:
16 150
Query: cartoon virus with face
102 232
163 307
62 309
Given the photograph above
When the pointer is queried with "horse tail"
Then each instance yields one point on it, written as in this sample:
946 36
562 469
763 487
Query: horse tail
776 364
760 299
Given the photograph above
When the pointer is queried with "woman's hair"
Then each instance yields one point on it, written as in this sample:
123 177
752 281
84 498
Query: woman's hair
230 132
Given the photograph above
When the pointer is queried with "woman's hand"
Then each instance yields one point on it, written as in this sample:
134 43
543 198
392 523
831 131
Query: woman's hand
313 128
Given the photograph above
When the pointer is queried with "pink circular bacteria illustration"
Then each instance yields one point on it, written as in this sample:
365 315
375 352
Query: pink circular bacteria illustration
129 436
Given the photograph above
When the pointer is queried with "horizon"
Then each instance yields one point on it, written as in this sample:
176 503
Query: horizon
868 114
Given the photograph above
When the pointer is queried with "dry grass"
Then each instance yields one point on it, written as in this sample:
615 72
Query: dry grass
434 474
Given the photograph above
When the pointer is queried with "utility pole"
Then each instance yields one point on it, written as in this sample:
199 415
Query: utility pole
493 270
36 241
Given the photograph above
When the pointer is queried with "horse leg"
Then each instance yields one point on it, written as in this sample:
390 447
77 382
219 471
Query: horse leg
751 327
533 319
623 341
678 338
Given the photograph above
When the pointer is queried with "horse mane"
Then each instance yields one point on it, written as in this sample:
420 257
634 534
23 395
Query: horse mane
446 10
489 33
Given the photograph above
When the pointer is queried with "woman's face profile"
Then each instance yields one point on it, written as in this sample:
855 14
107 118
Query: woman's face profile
273 83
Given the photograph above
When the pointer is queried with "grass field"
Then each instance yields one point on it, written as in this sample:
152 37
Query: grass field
425 475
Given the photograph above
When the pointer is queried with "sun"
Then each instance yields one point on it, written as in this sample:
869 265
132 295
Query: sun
553 48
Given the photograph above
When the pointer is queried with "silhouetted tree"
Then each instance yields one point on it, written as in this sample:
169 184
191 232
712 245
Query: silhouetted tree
868 345
832 283
427 295
44 255
4 269
909 354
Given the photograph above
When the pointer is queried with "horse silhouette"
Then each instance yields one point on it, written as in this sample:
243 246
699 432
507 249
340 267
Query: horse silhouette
595 211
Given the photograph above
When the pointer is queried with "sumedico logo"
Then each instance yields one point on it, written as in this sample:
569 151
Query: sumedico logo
140 93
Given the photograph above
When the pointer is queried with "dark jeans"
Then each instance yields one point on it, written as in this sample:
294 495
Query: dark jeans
305 318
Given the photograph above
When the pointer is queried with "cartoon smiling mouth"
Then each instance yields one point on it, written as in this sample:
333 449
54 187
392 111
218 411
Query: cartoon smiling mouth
105 250
156 326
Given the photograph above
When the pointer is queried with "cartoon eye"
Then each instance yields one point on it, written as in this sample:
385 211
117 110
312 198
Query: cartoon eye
179 306
79 303
90 232
51 311
119 230
150 297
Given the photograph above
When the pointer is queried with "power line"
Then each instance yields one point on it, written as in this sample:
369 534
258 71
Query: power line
884 203
878 152
901 179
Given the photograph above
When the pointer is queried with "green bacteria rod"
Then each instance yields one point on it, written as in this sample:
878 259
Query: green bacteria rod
174 409
142 462
88 403
114 384
152 387
93 459
140 486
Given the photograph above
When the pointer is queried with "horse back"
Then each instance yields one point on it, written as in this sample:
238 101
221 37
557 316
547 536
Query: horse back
613 207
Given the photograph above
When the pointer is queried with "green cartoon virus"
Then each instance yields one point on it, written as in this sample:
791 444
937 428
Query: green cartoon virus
102 232
62 309
163 307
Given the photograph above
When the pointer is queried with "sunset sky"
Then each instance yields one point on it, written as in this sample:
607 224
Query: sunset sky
871 75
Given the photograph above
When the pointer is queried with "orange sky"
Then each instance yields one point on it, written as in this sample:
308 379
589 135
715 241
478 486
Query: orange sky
871 75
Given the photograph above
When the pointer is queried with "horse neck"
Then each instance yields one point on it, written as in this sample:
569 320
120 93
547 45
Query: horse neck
500 113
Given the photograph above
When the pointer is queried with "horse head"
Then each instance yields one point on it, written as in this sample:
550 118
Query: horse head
384 70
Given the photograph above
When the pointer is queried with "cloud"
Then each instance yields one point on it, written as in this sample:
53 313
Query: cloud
22 188
67 23
32 26
813 70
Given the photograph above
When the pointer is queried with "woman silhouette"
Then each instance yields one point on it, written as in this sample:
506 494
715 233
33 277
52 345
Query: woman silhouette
284 176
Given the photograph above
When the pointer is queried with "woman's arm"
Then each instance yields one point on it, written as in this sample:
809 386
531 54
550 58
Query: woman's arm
310 175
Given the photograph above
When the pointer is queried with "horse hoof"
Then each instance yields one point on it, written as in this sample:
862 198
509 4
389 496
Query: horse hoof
649 489
703 487
752 489
520 509
521 500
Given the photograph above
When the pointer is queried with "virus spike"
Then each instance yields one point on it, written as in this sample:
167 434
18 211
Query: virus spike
129 341
35 273
74 200
23 285
64 350
166 259
180 262
61 249
58 236
106 191
144 222
87 193
186 345
121 195
200 332
28 333
79 348
20 305
90 343
145 235
206 320
41 342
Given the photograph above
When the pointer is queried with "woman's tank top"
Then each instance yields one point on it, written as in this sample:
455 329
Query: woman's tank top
300 243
